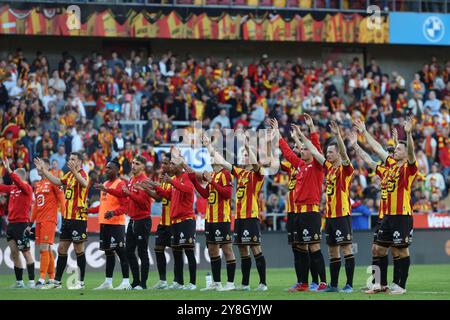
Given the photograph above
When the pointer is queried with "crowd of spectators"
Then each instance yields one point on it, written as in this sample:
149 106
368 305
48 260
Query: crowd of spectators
78 105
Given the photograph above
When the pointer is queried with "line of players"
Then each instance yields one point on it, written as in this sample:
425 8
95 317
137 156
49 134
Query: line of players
306 166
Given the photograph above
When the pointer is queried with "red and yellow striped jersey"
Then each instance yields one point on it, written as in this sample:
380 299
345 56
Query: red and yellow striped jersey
249 185
76 196
219 205
338 182
396 188
291 206
382 172
165 215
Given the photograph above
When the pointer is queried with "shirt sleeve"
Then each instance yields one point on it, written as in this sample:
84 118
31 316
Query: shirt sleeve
390 161
164 193
327 165
61 199
5 188
23 186
411 168
224 188
65 178
380 171
315 140
348 170
184 184
123 209
141 198
285 166
203 191
289 154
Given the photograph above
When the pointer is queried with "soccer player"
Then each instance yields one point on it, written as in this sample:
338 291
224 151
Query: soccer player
20 198
140 225
304 219
382 172
182 220
163 234
247 230
338 226
74 223
218 191
396 228
112 231
48 199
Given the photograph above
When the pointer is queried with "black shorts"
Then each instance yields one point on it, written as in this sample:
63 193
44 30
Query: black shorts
73 230
307 228
16 231
183 234
218 232
375 231
396 231
290 227
112 236
163 236
247 232
138 232
338 231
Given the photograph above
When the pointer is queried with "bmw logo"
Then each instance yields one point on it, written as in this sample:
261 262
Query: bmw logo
433 29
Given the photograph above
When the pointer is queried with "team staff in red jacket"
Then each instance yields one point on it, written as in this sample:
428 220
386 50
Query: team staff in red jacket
20 199
138 230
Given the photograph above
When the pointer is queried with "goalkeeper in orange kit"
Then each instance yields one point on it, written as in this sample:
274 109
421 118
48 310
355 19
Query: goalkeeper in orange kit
48 199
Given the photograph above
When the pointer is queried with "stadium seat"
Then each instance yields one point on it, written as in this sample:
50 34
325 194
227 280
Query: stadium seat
240 2
225 2
185 2
211 2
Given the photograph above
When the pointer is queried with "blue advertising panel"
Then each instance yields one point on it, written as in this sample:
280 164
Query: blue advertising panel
419 28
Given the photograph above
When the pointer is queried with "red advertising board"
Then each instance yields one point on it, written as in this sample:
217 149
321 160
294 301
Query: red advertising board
432 221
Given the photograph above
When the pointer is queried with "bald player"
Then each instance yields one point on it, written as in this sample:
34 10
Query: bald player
20 198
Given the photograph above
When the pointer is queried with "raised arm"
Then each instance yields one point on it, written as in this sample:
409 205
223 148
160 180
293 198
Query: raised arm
225 191
308 144
284 147
218 159
353 138
409 124
374 144
203 191
24 187
341 146
40 165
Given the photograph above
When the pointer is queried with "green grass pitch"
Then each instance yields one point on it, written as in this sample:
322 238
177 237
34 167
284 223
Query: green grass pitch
430 282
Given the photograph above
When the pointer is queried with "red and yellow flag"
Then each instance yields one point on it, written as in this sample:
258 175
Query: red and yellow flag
8 23
170 26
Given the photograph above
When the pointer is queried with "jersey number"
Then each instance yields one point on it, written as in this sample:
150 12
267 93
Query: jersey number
212 197
240 192
391 186
330 190
40 200
69 194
